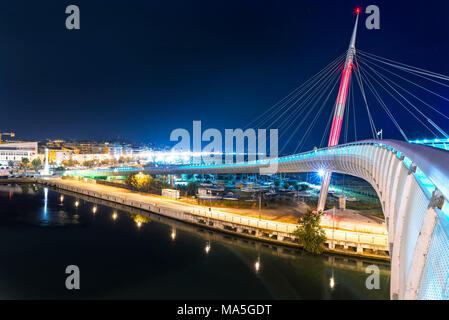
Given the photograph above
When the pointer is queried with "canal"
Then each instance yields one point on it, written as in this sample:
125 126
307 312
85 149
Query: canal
125 253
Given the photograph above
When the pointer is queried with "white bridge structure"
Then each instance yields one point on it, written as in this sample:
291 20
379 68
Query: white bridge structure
412 183
411 180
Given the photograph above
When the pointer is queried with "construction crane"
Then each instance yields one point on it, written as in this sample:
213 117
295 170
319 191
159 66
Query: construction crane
12 134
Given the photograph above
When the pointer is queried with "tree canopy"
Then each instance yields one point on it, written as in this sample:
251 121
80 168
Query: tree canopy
310 233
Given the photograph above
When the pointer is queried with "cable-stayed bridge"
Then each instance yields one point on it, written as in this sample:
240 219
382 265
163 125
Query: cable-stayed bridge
411 180
412 183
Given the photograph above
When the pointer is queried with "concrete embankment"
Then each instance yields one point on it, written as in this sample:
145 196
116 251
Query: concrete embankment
338 241
18 180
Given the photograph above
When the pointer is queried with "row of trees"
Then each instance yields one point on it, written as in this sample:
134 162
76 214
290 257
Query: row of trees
95 163
36 164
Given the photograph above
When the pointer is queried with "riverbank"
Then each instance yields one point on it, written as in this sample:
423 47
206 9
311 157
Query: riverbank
339 241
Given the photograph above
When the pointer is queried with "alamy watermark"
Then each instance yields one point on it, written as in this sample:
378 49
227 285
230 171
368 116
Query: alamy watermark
373 20
73 280
373 280
73 20
238 146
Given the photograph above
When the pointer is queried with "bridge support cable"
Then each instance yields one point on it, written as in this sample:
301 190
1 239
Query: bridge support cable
284 102
326 130
312 124
412 82
358 77
303 101
289 106
354 113
382 104
390 83
346 127
405 67
439 129
400 102
407 91
297 107
289 119
293 116
312 100
324 87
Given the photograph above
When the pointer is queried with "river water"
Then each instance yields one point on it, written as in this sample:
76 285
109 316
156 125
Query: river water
41 233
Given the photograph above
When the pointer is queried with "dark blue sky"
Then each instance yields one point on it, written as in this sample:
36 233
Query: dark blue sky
138 69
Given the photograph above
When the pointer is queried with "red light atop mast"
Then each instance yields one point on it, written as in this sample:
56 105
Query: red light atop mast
357 10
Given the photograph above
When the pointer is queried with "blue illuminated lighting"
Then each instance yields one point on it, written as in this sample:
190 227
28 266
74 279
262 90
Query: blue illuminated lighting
321 173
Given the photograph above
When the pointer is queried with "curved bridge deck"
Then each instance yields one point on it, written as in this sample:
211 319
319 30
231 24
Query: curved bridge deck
412 182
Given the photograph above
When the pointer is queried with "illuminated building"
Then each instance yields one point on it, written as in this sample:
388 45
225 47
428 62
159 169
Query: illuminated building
15 152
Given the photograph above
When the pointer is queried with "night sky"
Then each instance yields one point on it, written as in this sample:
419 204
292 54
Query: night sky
136 70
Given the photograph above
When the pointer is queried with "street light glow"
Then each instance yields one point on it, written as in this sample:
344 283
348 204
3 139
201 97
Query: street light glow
321 173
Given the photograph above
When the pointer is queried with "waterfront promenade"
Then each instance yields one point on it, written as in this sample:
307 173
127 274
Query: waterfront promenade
366 242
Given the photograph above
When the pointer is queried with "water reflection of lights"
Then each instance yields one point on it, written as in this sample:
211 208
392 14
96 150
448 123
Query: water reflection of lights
77 203
139 223
173 235
332 283
332 279
114 216
207 248
45 202
257 264
94 209
61 198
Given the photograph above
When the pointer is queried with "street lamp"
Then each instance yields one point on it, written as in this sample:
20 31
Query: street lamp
209 192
